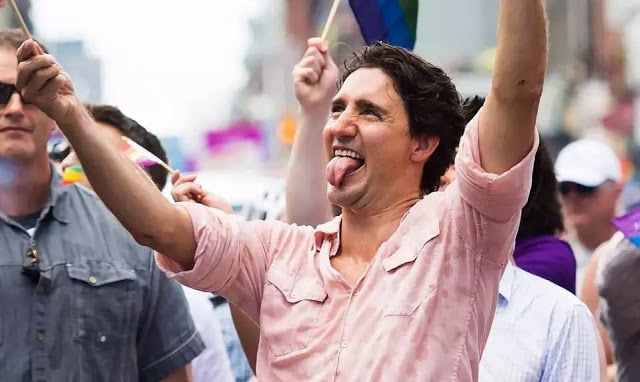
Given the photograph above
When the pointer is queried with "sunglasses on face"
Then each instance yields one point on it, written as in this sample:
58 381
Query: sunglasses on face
567 187
6 91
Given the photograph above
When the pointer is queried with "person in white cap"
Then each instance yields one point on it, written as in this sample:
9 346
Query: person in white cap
590 179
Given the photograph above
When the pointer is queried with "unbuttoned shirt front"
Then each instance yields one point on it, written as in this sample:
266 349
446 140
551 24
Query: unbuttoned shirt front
421 312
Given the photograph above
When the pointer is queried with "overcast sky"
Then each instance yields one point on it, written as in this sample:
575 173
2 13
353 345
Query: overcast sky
169 66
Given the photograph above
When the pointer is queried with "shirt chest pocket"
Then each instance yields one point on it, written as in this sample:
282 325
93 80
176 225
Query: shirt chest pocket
412 277
103 297
290 308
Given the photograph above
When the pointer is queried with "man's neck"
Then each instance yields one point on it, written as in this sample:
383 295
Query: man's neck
362 234
592 237
30 189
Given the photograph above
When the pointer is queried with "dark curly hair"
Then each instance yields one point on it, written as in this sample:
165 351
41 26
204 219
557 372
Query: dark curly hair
112 116
542 215
431 101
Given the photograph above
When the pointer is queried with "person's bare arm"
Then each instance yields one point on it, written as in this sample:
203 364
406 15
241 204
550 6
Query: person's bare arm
507 123
123 187
186 190
182 375
249 334
315 79
589 295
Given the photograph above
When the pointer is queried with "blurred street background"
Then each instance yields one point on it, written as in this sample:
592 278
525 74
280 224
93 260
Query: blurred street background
211 78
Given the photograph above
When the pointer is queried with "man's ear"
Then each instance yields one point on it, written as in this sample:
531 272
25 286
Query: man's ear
424 148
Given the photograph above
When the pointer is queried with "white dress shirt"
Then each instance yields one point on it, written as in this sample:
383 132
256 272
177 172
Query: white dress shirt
212 364
540 332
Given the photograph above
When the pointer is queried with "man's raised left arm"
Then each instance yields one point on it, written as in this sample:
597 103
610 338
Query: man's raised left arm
507 122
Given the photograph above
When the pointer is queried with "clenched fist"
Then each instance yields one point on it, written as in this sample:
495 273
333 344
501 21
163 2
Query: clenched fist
315 77
42 82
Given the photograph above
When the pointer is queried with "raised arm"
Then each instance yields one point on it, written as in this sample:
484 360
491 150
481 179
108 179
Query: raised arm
315 79
507 123
124 188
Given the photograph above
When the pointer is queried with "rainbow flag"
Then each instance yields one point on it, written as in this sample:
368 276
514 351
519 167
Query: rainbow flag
392 21
138 154
72 174
629 225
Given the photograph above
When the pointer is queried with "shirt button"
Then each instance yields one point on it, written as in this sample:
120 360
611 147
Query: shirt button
93 280
103 339
343 345
40 336
293 295
39 289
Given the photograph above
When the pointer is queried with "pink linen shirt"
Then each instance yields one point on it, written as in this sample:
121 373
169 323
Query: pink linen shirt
421 312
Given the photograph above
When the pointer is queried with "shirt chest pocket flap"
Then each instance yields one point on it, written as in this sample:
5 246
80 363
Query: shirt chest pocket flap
295 300
411 286
103 301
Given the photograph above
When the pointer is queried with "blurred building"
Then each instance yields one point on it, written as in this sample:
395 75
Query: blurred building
83 68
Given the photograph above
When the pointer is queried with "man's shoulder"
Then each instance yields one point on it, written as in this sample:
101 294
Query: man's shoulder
88 211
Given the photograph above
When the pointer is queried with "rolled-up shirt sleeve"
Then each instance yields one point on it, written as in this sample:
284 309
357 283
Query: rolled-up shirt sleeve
233 255
486 207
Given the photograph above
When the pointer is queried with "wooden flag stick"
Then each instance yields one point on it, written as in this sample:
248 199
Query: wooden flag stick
23 25
166 167
332 15
19 18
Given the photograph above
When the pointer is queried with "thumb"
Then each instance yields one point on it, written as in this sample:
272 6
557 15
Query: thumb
175 176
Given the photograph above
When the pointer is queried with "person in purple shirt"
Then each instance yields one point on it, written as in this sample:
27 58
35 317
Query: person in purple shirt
539 250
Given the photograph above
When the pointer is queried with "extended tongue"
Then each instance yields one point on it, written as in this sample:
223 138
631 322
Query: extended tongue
339 167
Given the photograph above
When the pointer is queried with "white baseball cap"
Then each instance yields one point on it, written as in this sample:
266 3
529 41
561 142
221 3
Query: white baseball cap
588 162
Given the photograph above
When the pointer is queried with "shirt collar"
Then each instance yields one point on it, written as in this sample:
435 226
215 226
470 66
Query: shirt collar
326 230
58 197
418 226
506 282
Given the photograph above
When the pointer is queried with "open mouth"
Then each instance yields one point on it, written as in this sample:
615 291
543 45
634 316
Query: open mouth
343 163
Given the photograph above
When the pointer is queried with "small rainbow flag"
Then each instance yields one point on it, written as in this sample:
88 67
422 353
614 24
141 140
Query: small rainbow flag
629 225
139 155
391 21
72 174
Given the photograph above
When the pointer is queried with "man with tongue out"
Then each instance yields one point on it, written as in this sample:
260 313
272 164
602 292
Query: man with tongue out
403 285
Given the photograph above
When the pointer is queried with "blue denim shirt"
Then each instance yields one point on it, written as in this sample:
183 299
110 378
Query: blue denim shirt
101 310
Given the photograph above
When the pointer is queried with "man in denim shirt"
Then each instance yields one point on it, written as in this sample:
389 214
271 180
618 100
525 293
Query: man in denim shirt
81 300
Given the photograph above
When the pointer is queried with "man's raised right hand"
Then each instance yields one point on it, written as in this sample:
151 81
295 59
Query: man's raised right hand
315 77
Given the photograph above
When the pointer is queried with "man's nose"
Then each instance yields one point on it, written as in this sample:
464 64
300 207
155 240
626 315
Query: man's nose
14 107
344 126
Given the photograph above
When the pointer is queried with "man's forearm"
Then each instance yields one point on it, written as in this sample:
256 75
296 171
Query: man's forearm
521 56
307 202
507 123
127 191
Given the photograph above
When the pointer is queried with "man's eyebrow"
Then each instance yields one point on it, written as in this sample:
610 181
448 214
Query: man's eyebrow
338 102
363 104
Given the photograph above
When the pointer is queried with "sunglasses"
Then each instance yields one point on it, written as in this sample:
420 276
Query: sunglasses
32 271
6 91
566 187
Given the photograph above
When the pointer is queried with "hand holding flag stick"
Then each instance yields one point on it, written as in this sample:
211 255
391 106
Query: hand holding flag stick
332 15
144 158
